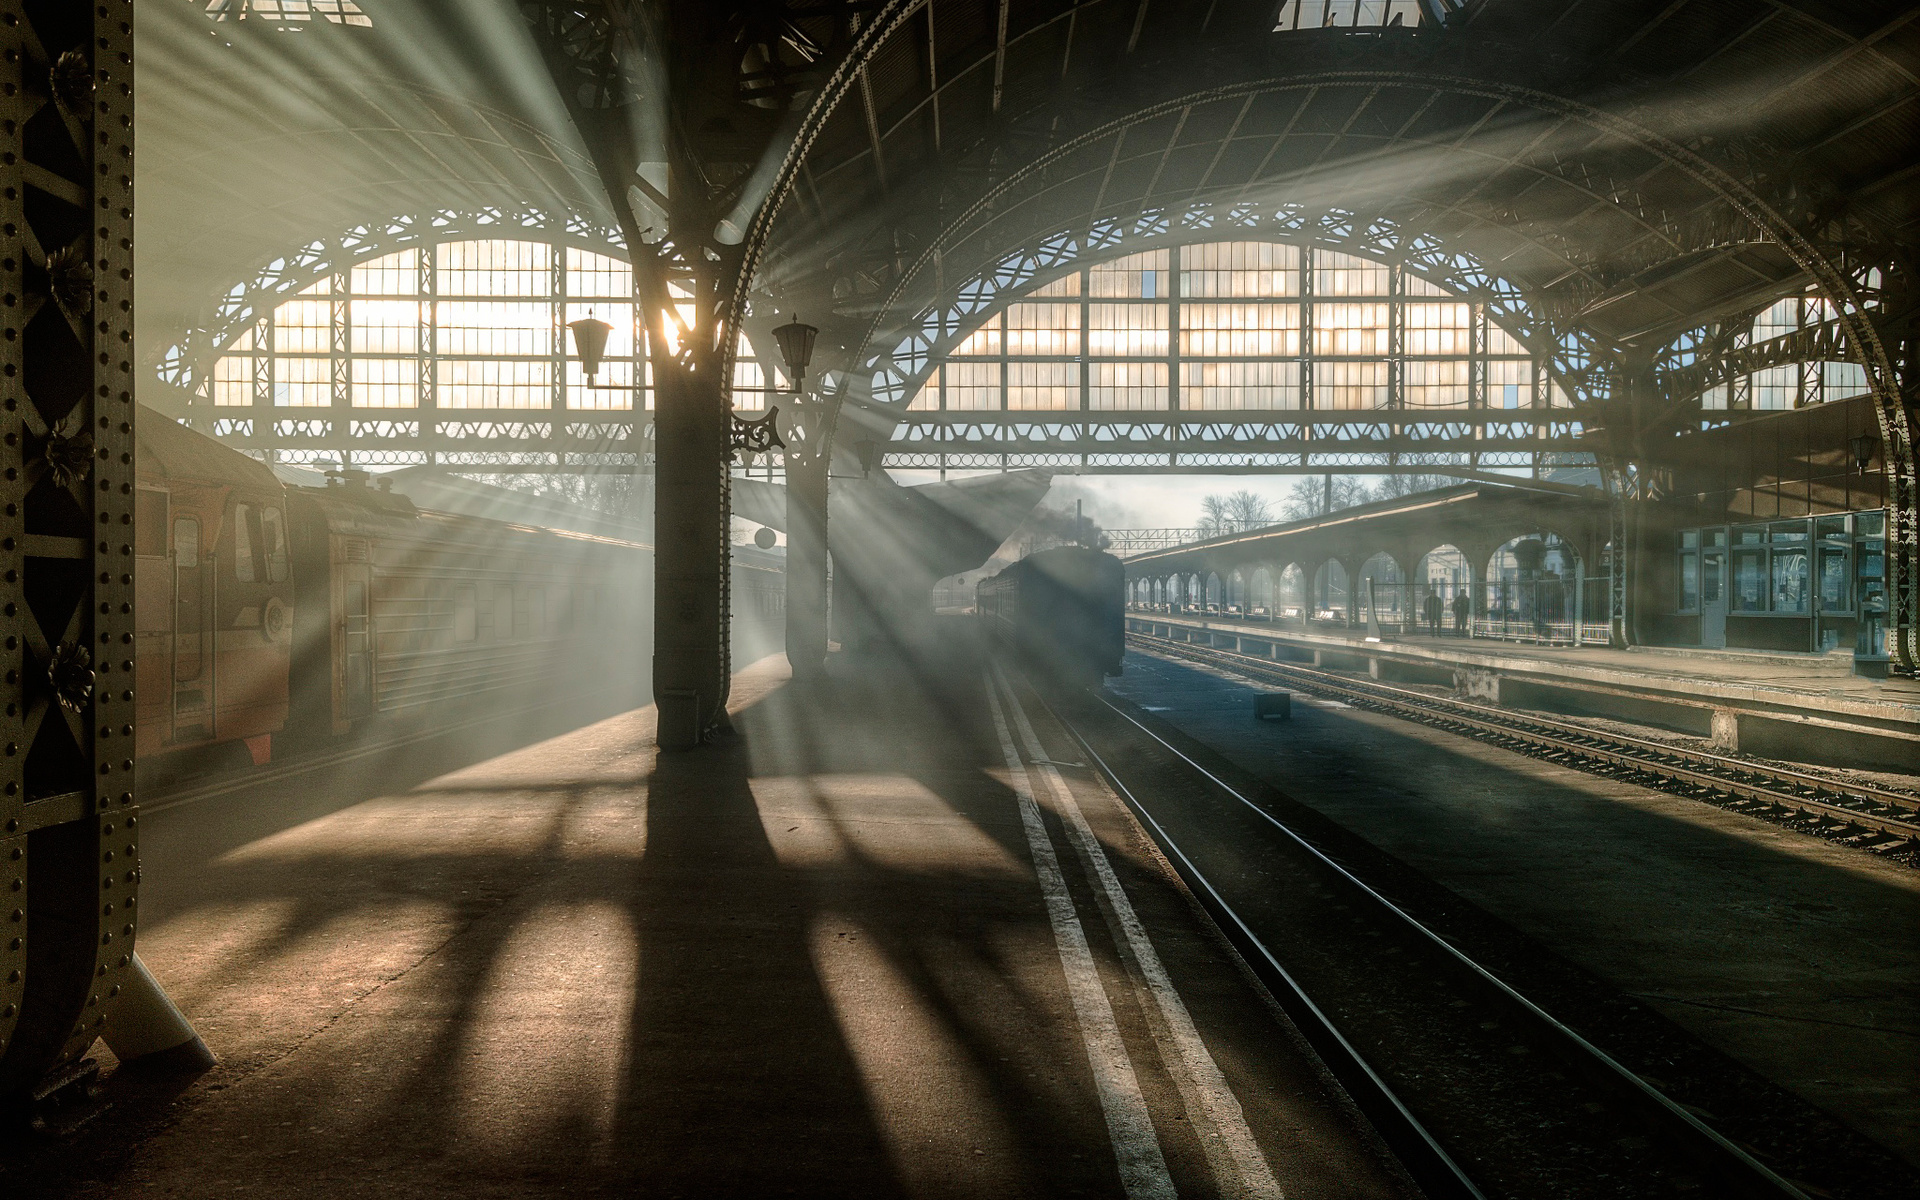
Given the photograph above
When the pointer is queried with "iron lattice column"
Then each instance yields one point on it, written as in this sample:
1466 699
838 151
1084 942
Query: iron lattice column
633 79
69 865
680 123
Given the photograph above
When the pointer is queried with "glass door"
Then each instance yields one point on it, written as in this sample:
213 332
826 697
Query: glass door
1832 583
1713 588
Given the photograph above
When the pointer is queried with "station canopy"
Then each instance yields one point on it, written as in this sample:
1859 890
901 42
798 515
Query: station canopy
1640 176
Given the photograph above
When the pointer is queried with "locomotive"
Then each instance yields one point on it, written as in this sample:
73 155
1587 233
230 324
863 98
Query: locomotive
264 607
1060 613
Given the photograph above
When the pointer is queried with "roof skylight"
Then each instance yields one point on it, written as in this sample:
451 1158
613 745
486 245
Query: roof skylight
289 12
1353 14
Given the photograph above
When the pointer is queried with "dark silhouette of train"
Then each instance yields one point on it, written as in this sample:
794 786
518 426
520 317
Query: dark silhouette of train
1060 613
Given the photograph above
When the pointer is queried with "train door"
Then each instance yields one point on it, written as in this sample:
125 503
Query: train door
192 636
356 641
1713 589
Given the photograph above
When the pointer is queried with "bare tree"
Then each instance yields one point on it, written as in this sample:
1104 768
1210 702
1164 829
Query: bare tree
1249 510
1309 496
1215 519
1392 487
1234 512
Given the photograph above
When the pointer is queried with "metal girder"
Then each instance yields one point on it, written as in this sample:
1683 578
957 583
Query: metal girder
684 107
1264 434
1815 343
69 853
674 131
1275 442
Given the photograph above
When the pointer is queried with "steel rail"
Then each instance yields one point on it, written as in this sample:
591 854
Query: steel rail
1417 1149
1736 1166
1736 778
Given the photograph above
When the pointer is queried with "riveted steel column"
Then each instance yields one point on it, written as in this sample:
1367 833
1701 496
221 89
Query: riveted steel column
692 424
69 859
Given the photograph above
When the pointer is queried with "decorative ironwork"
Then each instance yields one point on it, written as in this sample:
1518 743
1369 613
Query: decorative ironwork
70 676
71 80
756 436
65 456
70 280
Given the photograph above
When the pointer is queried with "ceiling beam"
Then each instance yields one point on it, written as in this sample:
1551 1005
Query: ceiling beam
1000 56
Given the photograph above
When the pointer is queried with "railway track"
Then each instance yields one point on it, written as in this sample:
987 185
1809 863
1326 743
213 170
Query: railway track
1421 1035
1886 820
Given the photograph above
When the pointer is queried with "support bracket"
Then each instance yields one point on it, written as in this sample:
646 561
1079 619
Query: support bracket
754 437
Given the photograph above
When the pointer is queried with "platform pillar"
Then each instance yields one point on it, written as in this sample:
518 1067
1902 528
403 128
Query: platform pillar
692 424
69 829
807 565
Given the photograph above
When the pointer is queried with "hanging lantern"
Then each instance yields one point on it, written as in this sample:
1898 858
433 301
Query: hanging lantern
796 346
590 342
1863 448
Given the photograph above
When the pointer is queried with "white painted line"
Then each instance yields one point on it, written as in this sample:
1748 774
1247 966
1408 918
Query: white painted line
1143 1170
1239 1167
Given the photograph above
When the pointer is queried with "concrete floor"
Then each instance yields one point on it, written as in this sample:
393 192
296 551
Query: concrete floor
813 960
1793 955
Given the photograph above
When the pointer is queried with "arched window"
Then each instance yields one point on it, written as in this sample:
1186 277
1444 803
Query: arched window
1264 326
1793 384
472 324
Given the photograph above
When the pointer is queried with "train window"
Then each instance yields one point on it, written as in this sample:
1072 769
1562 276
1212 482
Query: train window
150 523
503 621
273 529
466 614
537 611
562 609
243 543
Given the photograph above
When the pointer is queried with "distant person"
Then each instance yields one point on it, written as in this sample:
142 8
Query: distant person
1433 612
1462 607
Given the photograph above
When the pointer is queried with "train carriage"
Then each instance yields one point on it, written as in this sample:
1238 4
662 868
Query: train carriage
265 606
213 596
409 610
1061 612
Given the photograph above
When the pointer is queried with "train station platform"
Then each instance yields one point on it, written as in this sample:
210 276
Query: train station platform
1800 708
882 941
